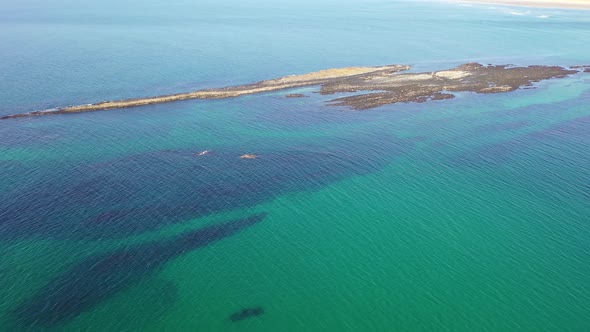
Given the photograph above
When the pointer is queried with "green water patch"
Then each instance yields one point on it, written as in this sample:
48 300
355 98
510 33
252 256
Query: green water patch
417 247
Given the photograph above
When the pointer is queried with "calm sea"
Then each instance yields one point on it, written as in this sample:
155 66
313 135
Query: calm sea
471 214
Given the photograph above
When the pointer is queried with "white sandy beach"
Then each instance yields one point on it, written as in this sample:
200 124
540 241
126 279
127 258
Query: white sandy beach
566 4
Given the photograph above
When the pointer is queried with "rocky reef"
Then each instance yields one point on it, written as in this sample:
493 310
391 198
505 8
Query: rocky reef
439 85
585 68
384 84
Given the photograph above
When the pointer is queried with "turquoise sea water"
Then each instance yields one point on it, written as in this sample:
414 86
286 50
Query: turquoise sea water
471 214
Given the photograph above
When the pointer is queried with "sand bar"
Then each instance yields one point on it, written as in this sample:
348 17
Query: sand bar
564 4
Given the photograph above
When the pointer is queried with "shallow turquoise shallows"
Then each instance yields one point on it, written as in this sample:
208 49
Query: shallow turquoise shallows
470 214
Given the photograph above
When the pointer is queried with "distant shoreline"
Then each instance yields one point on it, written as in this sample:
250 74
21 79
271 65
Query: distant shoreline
566 4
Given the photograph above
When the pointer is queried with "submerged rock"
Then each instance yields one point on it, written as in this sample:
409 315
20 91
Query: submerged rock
246 313
295 95
248 156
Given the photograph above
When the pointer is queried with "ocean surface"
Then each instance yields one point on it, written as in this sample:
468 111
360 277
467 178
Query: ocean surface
471 214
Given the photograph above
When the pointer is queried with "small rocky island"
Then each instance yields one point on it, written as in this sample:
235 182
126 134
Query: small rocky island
376 86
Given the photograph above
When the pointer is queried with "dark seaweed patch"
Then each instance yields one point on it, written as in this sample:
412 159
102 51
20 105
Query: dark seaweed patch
505 126
560 149
143 192
98 278
552 141
246 313
492 154
13 136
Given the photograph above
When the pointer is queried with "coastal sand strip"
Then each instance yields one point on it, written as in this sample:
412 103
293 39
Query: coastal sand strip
565 4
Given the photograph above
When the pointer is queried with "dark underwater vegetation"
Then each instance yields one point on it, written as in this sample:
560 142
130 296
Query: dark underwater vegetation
100 277
246 313
169 186
571 134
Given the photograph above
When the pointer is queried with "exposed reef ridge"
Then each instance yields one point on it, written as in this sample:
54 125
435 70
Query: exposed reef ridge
389 85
